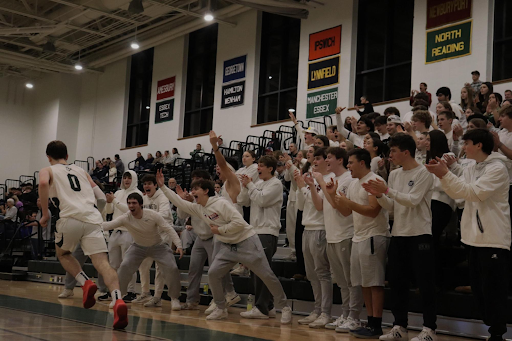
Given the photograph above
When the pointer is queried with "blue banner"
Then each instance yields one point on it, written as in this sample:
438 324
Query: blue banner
234 69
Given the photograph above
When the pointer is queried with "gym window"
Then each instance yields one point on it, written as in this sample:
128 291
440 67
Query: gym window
141 75
202 57
384 49
502 51
279 67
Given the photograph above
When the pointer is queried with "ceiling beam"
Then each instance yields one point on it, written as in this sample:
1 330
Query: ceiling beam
4 21
26 30
107 14
27 6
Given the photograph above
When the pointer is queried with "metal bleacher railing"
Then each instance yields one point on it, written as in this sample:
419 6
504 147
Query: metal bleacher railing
82 164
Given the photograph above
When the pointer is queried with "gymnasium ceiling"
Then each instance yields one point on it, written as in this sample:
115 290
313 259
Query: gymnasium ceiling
50 36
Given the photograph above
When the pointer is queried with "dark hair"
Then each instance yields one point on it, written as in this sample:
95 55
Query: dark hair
448 113
470 101
205 185
392 111
158 153
57 150
419 107
438 145
232 162
446 105
480 136
403 142
347 125
368 122
372 116
423 116
506 111
374 135
444 90
175 149
339 153
324 139
135 196
421 96
117 155
252 153
361 155
269 161
479 123
484 99
424 84
381 120
127 175
381 147
333 128
201 174
322 151
480 116
499 98
149 178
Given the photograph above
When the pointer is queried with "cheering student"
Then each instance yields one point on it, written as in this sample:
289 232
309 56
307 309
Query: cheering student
485 225
408 195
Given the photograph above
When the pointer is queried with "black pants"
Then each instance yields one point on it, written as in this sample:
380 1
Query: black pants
247 214
264 299
301 268
489 283
406 255
441 216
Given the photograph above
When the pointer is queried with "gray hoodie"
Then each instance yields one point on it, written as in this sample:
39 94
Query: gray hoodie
119 206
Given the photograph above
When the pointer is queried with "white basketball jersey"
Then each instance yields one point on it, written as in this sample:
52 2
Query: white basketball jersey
72 194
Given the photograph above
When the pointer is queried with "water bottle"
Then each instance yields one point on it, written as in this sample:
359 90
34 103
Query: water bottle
205 289
250 301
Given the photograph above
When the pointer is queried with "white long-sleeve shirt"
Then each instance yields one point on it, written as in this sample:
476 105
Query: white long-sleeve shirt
118 206
300 132
311 218
266 199
150 230
218 211
338 227
357 140
409 196
484 186
159 203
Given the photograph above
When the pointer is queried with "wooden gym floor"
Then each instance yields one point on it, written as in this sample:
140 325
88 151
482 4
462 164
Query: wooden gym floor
32 311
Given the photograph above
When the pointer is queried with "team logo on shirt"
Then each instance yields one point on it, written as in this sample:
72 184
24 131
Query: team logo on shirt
151 207
344 190
411 183
212 216
68 169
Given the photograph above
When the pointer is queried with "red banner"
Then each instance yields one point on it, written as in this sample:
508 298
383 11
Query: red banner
325 43
442 12
165 88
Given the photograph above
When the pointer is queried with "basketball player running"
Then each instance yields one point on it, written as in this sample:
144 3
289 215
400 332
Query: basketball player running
73 192
236 242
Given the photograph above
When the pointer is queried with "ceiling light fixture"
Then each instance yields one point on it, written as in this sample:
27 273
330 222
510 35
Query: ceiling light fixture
135 7
79 66
29 85
208 15
135 45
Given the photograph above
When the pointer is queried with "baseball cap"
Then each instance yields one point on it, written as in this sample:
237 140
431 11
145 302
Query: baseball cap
311 130
475 72
394 119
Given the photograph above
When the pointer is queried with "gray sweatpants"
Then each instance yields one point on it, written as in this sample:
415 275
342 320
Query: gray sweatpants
264 301
339 259
291 223
163 256
202 250
188 237
250 253
70 281
118 244
318 270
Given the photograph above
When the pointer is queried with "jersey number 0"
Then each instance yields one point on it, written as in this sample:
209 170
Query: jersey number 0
74 182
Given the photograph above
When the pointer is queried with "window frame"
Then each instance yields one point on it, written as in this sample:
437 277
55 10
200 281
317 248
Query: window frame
503 41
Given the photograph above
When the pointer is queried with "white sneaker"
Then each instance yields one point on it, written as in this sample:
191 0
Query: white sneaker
335 324
242 271
232 298
142 298
348 325
218 314
254 313
175 304
397 333
292 257
211 308
67 293
272 313
190 306
307 320
286 315
321 321
426 334
153 302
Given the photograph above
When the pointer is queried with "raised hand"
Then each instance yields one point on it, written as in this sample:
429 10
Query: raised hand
160 178
375 187
437 167
340 109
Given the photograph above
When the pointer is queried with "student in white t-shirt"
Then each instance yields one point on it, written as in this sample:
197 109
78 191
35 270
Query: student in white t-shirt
370 241
408 195
339 231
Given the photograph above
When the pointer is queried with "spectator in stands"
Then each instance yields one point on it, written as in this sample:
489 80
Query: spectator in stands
365 106
139 161
293 150
166 157
394 125
363 126
391 111
482 98
493 108
376 148
158 158
444 94
46 231
508 95
198 152
423 89
149 159
380 127
28 196
477 83
17 202
218 188
10 212
119 164
467 98
175 156
100 172
321 141
112 172
421 121
422 145
306 136
503 138
348 123
172 184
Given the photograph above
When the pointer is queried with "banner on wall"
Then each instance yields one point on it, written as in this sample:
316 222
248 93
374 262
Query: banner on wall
234 69
322 103
442 12
233 94
325 43
449 42
164 111
323 73
165 88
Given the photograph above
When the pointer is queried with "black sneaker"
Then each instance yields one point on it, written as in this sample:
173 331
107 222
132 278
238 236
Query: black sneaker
367 333
104 297
129 297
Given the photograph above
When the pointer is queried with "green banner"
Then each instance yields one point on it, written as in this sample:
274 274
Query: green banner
322 103
449 42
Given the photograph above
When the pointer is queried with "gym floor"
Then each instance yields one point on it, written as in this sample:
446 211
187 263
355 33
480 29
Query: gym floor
32 311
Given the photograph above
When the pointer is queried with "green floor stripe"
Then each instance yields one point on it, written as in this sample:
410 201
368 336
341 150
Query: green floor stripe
151 327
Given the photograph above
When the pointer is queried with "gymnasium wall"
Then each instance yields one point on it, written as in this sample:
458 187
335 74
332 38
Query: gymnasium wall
89 110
